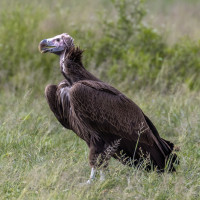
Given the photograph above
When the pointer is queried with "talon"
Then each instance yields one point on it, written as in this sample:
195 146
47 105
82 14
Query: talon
89 181
102 176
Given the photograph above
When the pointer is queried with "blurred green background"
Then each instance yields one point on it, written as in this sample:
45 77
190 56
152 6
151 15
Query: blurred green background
133 43
149 50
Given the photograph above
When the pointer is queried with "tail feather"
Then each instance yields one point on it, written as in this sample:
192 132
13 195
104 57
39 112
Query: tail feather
169 158
160 153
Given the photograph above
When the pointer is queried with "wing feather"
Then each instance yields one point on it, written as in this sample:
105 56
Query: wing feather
107 111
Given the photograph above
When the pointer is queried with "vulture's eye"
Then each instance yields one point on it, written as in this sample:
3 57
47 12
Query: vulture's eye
58 39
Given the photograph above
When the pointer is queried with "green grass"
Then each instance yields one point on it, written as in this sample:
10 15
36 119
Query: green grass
152 65
41 160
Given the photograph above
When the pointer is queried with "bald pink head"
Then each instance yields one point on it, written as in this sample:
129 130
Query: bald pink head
56 44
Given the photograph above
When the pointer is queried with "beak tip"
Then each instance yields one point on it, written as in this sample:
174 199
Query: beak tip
41 45
43 42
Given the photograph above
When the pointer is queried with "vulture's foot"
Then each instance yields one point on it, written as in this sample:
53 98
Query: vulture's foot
102 176
93 174
89 181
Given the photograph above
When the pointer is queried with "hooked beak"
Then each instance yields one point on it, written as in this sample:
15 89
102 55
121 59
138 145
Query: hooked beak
46 46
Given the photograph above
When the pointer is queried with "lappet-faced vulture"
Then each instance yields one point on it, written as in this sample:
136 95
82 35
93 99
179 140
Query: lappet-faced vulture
110 123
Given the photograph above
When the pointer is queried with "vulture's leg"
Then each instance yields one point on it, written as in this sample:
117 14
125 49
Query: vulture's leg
98 158
92 175
102 175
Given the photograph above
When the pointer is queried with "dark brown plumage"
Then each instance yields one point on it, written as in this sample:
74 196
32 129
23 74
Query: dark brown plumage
105 118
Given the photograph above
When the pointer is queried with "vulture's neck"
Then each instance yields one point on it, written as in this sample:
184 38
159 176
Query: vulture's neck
72 67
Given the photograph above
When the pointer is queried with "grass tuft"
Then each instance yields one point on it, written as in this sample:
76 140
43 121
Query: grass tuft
41 160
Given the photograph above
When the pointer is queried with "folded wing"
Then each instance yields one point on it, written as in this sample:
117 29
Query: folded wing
105 110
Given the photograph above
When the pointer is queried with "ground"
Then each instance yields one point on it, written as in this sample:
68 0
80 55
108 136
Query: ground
39 159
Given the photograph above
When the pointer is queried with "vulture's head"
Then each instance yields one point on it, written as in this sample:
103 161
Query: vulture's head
57 44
